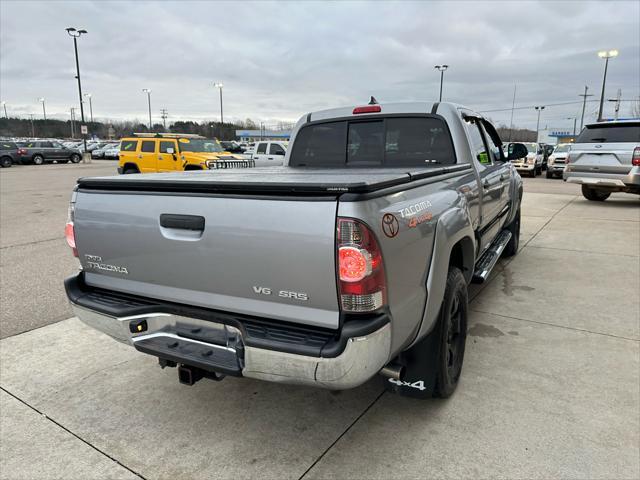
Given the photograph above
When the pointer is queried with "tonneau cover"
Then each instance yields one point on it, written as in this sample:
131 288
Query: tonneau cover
271 180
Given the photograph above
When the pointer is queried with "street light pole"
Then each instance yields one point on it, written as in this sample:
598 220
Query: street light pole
88 95
4 106
584 104
539 110
75 34
148 92
219 86
606 55
575 119
33 131
44 112
441 69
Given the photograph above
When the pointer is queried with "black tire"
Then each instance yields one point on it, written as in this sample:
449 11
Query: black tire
514 227
549 174
6 162
453 334
533 172
129 171
594 195
75 158
37 159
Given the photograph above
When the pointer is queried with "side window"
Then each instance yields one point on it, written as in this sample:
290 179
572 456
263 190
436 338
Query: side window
168 144
148 146
476 143
494 151
262 148
128 145
45 145
275 149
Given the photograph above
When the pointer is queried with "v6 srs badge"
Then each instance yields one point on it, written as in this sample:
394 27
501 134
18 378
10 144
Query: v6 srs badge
303 297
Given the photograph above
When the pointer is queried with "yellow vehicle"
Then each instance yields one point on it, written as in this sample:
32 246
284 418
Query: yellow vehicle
170 152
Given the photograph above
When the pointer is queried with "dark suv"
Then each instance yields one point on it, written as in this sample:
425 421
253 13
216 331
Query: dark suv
41 151
8 153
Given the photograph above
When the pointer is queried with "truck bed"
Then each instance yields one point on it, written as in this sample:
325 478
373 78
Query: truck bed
268 180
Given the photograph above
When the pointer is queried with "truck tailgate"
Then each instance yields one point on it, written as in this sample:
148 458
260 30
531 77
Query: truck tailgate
256 256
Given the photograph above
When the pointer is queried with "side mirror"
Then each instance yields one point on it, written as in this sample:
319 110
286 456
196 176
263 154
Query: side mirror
170 150
516 151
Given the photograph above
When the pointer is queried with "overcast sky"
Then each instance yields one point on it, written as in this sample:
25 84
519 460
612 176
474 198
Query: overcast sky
280 60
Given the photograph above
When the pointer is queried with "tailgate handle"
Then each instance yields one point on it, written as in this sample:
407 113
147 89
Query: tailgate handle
183 222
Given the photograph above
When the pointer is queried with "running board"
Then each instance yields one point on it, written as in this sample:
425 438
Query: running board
489 258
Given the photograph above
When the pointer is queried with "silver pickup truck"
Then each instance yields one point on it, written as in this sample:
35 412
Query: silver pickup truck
351 260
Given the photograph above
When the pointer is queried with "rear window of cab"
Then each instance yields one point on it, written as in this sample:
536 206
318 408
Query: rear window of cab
390 142
128 145
616 132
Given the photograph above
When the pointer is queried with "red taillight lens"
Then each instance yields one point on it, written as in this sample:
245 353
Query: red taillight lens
635 160
22 151
367 109
568 159
69 232
361 277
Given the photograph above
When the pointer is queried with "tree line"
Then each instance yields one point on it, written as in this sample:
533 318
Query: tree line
52 128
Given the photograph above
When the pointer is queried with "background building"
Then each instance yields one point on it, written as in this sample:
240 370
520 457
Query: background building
254 135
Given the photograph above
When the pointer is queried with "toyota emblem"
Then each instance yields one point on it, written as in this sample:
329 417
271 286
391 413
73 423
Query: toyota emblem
390 225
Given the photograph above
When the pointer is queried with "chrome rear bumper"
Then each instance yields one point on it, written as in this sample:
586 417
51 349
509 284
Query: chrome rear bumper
220 347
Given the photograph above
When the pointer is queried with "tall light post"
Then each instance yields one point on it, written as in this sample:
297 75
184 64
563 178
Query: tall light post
575 119
76 34
584 104
88 95
441 69
219 86
4 106
33 130
148 92
44 111
73 117
606 55
539 110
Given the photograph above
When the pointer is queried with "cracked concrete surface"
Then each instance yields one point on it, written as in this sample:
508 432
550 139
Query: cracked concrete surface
550 387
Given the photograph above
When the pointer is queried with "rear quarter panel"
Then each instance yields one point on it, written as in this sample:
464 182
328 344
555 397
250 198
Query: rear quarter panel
408 254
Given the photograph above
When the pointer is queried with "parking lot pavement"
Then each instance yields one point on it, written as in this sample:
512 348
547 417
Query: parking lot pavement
549 388
34 257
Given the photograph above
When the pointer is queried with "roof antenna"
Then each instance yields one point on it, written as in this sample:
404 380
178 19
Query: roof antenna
373 101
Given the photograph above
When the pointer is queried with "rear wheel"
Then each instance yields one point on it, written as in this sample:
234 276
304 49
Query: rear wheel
129 171
549 174
6 162
432 367
514 227
75 158
37 159
594 195
453 323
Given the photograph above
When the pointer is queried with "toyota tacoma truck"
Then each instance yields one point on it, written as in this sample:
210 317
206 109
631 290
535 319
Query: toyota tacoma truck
352 259
605 158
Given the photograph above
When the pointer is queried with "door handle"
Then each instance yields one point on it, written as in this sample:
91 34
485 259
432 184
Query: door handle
183 222
140 156
269 158
504 176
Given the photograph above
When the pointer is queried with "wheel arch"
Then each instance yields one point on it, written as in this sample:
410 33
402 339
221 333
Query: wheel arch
455 245
192 167
130 165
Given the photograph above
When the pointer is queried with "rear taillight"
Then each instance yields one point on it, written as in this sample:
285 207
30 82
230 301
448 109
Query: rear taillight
22 151
568 158
69 232
635 160
361 278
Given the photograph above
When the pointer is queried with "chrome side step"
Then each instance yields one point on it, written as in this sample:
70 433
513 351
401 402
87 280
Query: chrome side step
489 258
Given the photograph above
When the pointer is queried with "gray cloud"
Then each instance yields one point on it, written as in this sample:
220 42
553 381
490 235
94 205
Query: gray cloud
280 60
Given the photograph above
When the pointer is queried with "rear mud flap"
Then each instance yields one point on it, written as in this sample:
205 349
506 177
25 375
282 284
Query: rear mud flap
420 368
